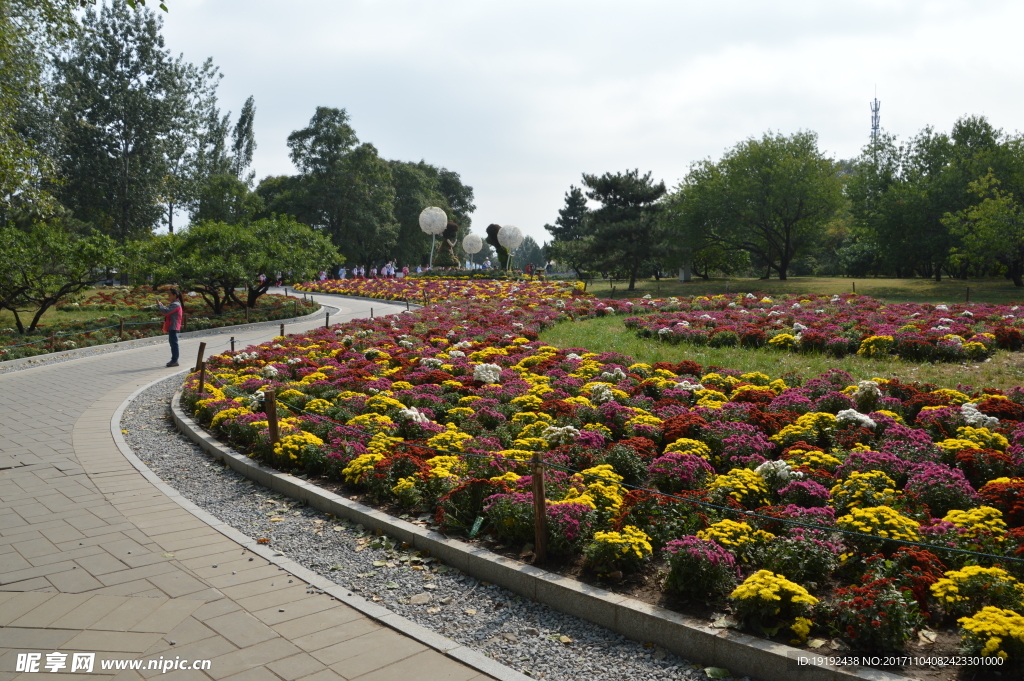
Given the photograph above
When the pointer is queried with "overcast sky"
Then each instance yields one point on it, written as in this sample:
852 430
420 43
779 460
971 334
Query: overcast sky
521 98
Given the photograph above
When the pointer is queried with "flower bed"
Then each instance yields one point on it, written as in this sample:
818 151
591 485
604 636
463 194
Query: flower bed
136 307
432 289
838 325
862 506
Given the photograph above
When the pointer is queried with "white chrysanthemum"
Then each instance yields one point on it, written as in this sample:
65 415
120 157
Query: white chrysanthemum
614 376
975 418
852 416
867 391
777 473
601 393
750 296
256 399
487 373
270 371
456 354
556 436
431 362
686 385
406 344
412 414
573 356
942 307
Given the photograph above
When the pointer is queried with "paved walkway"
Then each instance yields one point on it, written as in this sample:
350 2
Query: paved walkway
95 559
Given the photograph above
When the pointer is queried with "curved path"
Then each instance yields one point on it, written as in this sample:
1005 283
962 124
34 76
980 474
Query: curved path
95 558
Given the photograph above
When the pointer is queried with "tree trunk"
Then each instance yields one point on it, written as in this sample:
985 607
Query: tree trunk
938 273
783 269
18 322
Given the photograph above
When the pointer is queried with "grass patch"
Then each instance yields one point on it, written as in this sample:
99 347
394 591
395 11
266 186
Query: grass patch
991 290
1004 370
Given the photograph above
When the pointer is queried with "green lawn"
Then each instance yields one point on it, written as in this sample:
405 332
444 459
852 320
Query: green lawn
992 290
1004 370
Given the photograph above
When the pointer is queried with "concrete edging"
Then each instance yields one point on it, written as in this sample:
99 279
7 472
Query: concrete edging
445 646
742 654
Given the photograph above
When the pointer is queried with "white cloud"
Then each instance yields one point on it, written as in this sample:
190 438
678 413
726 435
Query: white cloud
521 98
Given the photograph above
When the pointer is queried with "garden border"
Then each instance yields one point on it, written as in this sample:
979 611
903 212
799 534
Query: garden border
742 654
141 342
441 644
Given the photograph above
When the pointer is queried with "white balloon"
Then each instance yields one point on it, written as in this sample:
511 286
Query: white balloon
433 220
472 244
510 237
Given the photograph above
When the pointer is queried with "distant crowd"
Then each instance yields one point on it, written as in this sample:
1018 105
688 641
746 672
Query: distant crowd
390 270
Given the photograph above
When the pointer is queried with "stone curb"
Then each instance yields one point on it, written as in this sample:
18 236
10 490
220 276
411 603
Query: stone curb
142 342
685 636
446 646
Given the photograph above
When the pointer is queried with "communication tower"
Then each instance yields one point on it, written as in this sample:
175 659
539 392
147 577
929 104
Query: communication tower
875 128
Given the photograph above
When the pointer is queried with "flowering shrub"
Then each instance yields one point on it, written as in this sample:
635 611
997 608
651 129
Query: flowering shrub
699 568
942 488
739 538
674 472
994 632
862 490
879 521
876 617
1006 494
804 555
965 591
744 485
764 597
625 551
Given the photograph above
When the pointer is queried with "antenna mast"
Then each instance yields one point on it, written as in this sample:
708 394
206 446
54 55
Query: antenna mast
875 127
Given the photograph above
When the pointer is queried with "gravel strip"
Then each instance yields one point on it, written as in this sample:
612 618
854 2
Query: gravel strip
529 637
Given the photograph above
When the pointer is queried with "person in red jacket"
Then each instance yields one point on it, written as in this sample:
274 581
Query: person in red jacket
173 312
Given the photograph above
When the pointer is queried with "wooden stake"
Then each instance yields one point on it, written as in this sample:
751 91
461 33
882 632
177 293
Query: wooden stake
246 314
270 408
540 515
327 321
282 330
120 333
202 376
854 287
232 344
199 357
295 308
371 313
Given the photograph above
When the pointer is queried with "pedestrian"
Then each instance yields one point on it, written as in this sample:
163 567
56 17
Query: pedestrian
341 272
173 312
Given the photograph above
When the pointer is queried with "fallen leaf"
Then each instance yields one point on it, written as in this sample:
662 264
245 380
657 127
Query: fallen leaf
433 610
927 638
168 555
379 563
276 520
263 540
716 672
564 639
391 585
725 622
470 611
816 643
